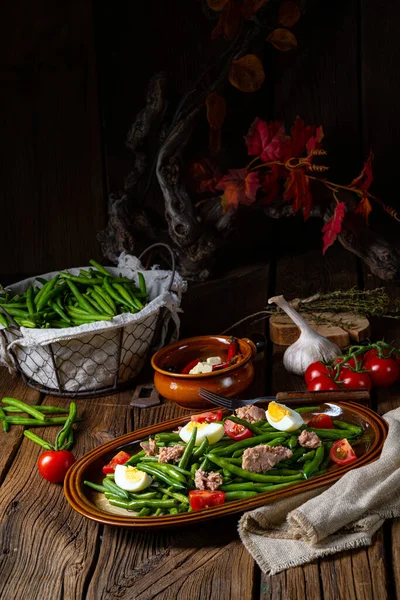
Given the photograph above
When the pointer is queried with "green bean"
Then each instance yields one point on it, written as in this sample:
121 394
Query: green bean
82 302
292 441
202 449
105 307
94 304
143 496
17 312
238 453
239 495
189 449
6 426
99 267
70 440
248 442
162 475
170 471
296 454
348 426
205 464
60 312
36 423
30 301
167 437
175 495
112 487
307 456
138 504
258 477
81 279
38 440
326 460
234 460
62 435
25 322
144 512
95 486
256 487
252 428
333 434
194 468
27 408
45 293
112 292
313 465
3 320
124 294
41 280
306 409
142 283
107 298
284 471
136 458
173 511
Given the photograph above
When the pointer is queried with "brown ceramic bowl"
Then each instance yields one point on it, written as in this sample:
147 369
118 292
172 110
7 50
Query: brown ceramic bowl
184 389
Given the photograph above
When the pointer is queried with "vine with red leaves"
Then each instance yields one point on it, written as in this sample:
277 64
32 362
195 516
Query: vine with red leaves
285 166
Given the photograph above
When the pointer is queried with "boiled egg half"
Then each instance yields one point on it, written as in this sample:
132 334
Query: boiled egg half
283 418
131 479
212 431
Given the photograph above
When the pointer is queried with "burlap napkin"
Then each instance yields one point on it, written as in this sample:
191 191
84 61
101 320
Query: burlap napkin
301 528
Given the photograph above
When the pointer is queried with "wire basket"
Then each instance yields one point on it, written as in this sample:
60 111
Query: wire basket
92 363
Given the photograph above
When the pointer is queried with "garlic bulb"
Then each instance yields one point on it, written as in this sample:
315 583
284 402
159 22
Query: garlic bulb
310 346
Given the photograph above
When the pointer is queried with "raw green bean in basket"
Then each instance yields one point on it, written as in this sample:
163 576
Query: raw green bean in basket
27 408
142 283
99 267
187 454
258 477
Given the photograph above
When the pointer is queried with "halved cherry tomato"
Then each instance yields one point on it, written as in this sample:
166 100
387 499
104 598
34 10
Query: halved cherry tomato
54 464
236 431
200 499
118 459
354 380
382 371
315 370
207 417
342 453
322 383
321 422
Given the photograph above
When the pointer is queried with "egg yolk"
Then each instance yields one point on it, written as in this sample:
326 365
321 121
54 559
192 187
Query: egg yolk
133 474
190 426
277 411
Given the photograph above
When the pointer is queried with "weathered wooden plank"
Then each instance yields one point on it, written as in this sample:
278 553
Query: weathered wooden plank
198 562
48 549
12 386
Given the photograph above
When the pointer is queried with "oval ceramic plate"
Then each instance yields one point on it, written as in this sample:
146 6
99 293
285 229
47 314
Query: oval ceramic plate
85 501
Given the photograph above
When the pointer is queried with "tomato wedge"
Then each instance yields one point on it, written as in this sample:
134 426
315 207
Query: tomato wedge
207 417
342 453
200 499
236 431
321 421
118 459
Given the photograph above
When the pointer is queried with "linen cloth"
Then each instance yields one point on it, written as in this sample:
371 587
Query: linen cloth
317 523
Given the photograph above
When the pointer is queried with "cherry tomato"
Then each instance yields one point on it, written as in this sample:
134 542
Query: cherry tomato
207 417
322 383
315 370
200 499
118 459
383 372
236 431
54 464
353 380
342 453
321 422
351 362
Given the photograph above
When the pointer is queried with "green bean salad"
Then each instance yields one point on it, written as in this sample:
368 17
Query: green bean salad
215 459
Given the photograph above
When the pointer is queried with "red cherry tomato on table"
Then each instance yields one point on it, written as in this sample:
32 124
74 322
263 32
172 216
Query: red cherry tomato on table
200 499
315 370
207 417
383 372
322 383
321 422
54 464
342 453
354 380
119 459
236 431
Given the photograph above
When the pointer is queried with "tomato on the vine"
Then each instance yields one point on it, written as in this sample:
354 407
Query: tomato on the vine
322 383
316 369
351 362
354 380
383 372
54 464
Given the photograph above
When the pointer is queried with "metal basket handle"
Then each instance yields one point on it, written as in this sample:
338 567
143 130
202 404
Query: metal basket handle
173 268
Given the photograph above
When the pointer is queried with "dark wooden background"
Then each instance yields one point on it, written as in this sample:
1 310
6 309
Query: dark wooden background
74 74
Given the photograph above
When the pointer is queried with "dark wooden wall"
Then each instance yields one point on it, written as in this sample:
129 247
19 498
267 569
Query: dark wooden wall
74 74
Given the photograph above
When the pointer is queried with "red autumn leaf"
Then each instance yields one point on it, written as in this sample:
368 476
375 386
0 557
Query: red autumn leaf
266 140
364 180
297 191
288 14
203 176
239 187
363 208
216 110
270 185
333 227
282 39
314 143
247 73
300 136
250 7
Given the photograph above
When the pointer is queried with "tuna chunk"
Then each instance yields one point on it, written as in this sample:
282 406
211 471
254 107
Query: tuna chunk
250 413
309 439
149 447
170 454
262 458
207 481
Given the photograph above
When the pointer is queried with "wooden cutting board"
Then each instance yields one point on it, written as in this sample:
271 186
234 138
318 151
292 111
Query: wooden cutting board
349 329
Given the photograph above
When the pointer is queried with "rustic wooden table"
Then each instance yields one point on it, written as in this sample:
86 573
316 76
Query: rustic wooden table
49 552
